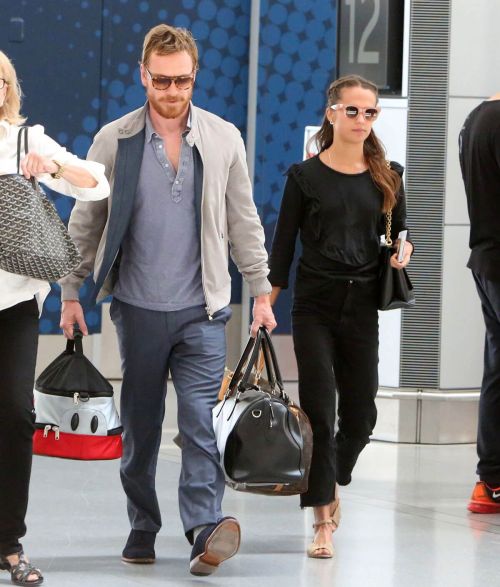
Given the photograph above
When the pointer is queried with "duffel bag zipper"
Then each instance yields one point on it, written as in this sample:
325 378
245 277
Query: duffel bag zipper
89 394
48 428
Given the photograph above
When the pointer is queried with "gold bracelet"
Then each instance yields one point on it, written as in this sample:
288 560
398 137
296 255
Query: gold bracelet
59 172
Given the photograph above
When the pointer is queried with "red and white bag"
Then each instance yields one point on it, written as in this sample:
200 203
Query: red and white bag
76 417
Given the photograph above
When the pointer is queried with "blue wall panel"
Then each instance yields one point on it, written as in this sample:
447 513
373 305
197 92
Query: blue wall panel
221 30
78 67
58 63
296 63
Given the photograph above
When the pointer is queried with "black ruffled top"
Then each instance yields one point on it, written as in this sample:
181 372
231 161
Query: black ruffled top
339 219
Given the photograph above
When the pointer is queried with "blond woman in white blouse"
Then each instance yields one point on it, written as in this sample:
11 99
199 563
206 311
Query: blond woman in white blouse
21 300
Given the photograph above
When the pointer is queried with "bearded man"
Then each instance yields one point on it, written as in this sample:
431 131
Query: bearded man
180 196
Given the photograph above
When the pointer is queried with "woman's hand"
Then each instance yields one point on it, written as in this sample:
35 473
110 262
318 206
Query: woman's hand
34 164
408 250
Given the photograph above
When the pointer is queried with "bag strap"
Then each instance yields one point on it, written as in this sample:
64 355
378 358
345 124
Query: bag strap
22 131
75 345
263 341
250 357
388 217
271 374
273 370
243 385
240 366
271 360
388 226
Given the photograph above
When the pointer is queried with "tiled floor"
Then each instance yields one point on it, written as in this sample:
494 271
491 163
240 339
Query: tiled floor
404 524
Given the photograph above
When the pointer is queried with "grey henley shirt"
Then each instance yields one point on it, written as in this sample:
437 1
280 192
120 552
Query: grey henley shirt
160 267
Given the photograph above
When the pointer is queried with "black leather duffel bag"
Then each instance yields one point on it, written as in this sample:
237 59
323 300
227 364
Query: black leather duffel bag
264 439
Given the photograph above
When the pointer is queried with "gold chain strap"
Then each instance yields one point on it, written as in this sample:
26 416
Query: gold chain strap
388 224
388 219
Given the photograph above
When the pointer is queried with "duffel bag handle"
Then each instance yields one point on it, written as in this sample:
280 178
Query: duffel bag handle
249 359
75 345
257 345
271 360
240 366
263 341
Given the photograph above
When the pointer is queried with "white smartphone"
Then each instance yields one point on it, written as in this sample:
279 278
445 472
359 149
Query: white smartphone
401 247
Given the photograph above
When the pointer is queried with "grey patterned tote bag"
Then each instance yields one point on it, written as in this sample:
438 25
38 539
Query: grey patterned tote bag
33 239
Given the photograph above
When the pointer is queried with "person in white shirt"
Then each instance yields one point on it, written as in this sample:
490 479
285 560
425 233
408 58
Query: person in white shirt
21 301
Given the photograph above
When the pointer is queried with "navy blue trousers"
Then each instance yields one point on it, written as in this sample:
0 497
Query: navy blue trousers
193 349
488 434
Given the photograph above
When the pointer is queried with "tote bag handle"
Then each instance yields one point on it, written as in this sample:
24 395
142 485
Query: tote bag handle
75 345
23 133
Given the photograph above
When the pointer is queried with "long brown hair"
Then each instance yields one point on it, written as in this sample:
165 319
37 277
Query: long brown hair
386 179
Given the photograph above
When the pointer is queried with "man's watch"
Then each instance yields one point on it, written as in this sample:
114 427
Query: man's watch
60 170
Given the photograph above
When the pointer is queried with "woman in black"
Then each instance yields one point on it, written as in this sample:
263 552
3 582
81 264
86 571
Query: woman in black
337 201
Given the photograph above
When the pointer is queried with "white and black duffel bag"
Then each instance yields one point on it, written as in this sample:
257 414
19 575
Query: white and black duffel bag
264 439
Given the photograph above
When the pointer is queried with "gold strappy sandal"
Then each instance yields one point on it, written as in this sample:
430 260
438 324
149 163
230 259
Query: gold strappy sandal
321 549
315 548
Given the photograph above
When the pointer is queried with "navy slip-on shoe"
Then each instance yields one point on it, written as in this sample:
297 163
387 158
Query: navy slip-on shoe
215 544
140 548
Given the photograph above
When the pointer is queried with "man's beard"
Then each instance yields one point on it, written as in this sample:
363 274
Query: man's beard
167 108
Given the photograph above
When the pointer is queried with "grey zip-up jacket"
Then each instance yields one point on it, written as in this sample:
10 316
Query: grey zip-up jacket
226 213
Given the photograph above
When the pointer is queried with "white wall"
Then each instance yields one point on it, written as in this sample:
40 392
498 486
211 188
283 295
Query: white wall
391 129
474 75
475 52
462 331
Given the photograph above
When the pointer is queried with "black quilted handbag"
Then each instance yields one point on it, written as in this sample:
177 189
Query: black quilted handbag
264 439
33 239
395 287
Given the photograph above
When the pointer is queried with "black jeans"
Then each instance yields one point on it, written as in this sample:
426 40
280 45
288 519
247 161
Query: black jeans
18 348
335 339
488 434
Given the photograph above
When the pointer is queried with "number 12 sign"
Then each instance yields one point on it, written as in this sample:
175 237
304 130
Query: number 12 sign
370 41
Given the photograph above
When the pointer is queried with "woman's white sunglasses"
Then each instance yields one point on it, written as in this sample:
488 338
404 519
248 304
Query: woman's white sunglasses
353 111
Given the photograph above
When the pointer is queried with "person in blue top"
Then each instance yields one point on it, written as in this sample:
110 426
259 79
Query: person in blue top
181 199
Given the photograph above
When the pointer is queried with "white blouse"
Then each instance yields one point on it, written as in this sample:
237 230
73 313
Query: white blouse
15 289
